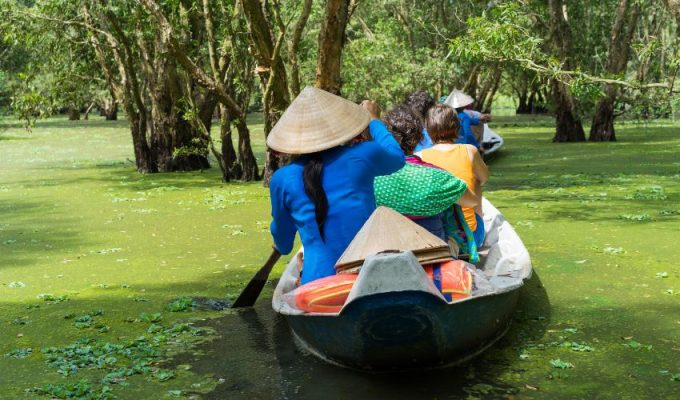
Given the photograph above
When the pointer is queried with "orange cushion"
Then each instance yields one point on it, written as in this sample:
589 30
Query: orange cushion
325 295
456 279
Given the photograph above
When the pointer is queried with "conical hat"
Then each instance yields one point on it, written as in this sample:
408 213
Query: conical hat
387 230
316 121
458 99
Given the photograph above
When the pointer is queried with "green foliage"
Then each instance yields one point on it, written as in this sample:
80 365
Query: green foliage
181 304
501 34
52 299
557 363
635 345
20 353
80 390
196 148
636 217
119 361
649 193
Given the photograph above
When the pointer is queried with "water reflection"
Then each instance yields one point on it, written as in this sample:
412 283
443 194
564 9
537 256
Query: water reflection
256 358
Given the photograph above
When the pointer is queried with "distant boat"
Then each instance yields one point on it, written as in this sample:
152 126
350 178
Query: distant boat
491 141
395 319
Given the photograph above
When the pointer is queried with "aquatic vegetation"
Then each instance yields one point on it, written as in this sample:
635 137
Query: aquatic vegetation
649 193
596 275
613 250
49 298
669 212
557 363
20 353
79 390
636 217
632 344
181 304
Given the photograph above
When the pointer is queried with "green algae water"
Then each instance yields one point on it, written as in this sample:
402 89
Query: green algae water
104 276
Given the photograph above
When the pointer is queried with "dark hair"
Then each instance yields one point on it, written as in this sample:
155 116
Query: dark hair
442 123
420 101
406 126
311 177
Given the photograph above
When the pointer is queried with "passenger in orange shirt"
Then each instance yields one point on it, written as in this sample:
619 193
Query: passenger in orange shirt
461 160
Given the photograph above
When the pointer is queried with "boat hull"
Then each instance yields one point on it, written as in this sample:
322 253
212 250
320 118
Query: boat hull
396 319
407 330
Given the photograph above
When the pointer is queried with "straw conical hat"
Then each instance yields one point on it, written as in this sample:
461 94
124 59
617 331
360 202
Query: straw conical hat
458 99
316 121
386 230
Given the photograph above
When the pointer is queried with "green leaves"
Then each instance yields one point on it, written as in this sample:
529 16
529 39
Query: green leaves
154 317
181 304
558 363
648 193
164 375
49 298
634 345
80 390
500 35
20 353
636 217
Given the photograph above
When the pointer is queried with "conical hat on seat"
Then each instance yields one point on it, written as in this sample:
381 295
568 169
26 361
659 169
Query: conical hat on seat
317 120
388 230
458 99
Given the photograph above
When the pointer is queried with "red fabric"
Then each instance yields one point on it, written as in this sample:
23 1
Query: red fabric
325 295
415 160
456 279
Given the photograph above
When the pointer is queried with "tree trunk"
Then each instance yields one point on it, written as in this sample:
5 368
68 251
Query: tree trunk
138 128
569 127
125 89
293 47
73 114
273 83
232 170
480 98
602 127
245 153
331 41
486 106
523 102
568 124
110 110
674 8
471 84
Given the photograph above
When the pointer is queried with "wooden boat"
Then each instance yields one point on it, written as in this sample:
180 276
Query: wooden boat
491 141
395 319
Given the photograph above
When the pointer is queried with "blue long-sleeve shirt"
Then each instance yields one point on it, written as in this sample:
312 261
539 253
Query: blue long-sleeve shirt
424 144
465 134
347 178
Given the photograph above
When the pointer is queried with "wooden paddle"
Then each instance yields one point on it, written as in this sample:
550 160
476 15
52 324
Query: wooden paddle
250 294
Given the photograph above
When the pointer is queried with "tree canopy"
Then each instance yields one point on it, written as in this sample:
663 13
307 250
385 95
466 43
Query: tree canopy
174 65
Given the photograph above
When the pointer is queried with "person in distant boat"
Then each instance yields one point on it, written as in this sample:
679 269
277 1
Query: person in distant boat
462 160
420 191
421 102
326 194
467 117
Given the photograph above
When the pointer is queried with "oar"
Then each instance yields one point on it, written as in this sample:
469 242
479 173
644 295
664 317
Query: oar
250 294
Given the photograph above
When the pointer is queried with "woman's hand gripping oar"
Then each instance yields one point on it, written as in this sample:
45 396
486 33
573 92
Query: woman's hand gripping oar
252 291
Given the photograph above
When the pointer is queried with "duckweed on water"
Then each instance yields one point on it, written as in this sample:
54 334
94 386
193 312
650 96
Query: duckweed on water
140 246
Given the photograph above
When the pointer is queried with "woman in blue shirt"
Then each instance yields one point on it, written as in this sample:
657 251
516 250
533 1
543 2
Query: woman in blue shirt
326 194
460 101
